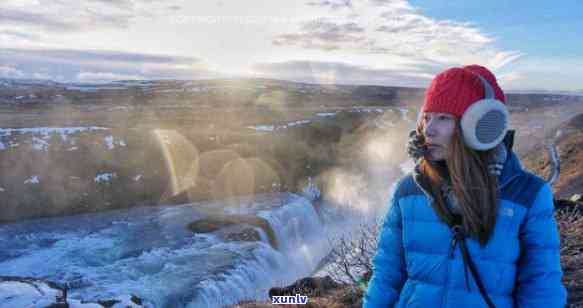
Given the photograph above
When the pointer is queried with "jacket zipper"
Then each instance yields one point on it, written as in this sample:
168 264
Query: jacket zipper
450 257
451 253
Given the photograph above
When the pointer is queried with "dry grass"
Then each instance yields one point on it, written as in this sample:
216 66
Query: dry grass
571 230
346 296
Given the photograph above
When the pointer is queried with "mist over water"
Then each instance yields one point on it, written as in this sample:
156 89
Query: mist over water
313 174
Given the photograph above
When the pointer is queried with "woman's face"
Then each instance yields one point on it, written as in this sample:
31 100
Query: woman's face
438 129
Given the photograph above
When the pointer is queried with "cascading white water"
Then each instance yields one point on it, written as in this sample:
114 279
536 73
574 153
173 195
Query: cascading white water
298 232
149 252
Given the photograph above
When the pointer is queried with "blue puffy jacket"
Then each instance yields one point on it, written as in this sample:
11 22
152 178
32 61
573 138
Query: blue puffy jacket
519 266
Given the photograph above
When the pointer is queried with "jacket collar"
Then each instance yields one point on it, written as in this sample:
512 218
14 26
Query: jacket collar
512 166
512 169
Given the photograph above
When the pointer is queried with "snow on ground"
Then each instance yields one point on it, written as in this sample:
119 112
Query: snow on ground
326 114
40 137
405 114
199 89
271 127
48 130
179 90
262 128
32 180
111 142
94 87
26 83
299 122
361 109
104 177
39 144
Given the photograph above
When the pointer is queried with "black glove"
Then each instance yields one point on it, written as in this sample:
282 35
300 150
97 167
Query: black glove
415 146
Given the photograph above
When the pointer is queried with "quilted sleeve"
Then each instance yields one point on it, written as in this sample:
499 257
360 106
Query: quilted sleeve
539 268
389 272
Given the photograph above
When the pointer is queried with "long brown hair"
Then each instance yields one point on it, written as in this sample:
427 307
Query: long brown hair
475 189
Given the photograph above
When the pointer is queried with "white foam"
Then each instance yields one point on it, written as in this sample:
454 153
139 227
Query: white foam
20 294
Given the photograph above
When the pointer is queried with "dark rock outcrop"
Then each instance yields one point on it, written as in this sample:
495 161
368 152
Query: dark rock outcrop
217 222
310 286
247 234
562 205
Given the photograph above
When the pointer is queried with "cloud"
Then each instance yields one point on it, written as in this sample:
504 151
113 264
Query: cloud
543 74
18 35
75 16
60 21
85 65
324 35
331 4
394 28
10 17
43 76
341 73
125 4
394 5
508 77
94 56
10 72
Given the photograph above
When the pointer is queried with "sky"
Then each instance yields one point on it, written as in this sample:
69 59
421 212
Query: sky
529 45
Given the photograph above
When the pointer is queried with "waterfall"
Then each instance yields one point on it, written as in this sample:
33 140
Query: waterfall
150 252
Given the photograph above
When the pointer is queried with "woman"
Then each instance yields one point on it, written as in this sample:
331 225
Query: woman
469 227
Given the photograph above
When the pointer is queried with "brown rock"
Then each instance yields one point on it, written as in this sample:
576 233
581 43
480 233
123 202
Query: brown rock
310 286
216 222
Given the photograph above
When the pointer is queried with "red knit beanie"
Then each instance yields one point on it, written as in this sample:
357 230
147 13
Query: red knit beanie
455 89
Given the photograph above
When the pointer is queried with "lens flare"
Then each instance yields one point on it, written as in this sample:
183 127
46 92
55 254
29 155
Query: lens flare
244 177
182 160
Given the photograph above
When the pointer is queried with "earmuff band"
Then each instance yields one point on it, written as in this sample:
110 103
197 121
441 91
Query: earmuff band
488 90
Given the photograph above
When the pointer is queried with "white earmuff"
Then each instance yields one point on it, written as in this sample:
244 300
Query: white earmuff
485 123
